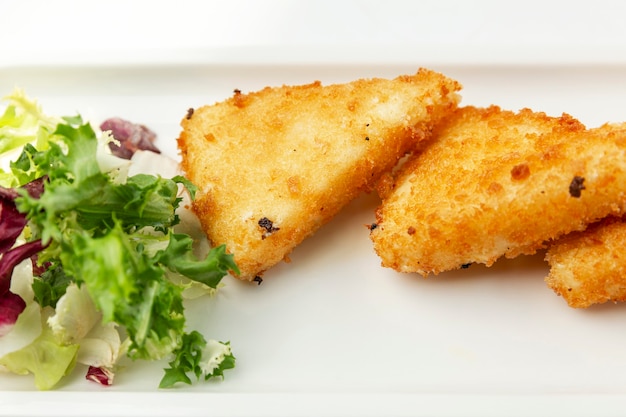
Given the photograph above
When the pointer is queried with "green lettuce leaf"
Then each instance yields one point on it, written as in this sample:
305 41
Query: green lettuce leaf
46 358
51 285
130 289
179 257
24 122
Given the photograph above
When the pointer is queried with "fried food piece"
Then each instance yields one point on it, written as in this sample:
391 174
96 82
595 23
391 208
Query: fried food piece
274 165
589 267
496 183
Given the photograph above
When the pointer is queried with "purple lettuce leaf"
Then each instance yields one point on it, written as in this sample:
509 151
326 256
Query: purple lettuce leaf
99 375
12 222
11 306
131 137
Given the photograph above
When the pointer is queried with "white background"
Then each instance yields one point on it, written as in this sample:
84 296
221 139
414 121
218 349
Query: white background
31 30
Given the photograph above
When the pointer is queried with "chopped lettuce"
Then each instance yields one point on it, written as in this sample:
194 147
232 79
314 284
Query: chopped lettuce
107 263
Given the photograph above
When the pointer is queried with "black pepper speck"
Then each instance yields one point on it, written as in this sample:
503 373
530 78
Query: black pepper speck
268 226
576 186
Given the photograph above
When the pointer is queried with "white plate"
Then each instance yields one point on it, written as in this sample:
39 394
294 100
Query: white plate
333 333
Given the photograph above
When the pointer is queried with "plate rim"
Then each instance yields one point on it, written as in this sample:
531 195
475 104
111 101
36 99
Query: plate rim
423 54
238 403
304 404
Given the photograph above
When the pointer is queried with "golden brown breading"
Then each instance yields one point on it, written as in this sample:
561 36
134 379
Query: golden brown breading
496 183
589 267
274 165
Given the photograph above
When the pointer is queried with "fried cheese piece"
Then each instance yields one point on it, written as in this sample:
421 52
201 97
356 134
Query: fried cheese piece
273 166
589 267
495 183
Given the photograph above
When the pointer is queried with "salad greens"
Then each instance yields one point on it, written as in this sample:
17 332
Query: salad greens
91 255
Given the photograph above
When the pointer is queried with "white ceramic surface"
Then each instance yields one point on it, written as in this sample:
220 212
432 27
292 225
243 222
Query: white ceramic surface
333 333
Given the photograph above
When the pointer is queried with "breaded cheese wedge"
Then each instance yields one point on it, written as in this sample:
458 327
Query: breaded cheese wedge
589 267
273 166
496 183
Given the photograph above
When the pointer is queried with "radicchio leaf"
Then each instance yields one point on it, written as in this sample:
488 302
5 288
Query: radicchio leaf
102 376
12 222
131 137
11 306
12 258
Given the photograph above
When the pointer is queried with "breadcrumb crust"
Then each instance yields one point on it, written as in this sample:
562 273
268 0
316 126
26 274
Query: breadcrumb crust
273 166
589 267
493 183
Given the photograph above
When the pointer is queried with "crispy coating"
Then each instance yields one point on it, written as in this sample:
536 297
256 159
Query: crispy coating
273 166
495 183
589 267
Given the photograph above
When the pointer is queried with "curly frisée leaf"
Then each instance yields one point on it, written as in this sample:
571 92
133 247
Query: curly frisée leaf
50 286
217 357
179 257
23 122
130 289
199 358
